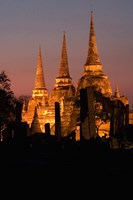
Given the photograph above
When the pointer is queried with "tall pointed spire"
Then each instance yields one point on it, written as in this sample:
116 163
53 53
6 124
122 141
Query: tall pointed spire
63 80
93 60
63 70
35 125
93 74
40 87
117 94
39 79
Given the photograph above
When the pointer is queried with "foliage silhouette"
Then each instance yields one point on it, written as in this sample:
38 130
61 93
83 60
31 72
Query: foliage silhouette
7 102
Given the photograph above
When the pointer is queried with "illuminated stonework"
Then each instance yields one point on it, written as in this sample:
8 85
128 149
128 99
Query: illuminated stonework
93 74
44 104
97 79
41 107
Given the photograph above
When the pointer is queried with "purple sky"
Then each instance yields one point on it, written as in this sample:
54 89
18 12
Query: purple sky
26 24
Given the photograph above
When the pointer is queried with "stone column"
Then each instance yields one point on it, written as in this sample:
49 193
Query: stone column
57 121
87 114
127 115
47 128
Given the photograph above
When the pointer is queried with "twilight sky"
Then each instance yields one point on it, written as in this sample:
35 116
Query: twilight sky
26 24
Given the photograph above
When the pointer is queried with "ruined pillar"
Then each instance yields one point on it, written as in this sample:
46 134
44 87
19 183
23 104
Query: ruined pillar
57 121
127 115
87 113
47 128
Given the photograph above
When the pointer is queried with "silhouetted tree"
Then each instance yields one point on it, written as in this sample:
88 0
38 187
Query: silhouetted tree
7 102
101 116
103 108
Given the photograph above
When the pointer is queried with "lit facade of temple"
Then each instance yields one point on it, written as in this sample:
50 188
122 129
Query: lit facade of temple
41 107
43 104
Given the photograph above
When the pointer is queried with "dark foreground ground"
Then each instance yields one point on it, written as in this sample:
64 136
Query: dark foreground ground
66 166
73 157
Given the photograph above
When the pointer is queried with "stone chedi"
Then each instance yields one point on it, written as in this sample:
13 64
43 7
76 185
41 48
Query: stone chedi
38 104
93 74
